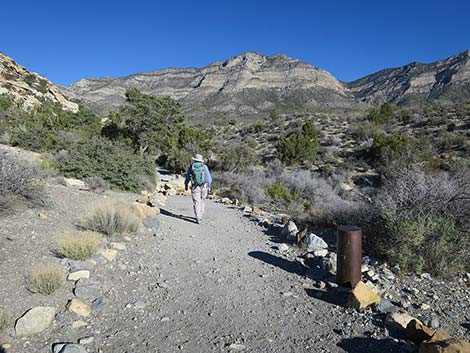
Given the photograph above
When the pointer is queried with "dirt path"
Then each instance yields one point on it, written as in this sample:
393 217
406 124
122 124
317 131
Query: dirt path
221 286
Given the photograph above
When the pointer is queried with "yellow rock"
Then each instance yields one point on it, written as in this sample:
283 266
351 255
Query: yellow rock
143 211
6 346
43 216
450 345
362 297
440 335
78 307
400 320
259 211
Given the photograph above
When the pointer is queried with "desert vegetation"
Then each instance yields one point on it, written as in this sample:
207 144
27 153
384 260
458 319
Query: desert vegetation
46 279
4 319
79 246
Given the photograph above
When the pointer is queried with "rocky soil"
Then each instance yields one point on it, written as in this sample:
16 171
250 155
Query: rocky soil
230 284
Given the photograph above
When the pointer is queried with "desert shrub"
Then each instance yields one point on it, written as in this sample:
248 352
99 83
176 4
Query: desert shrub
381 115
111 218
385 146
299 146
247 187
20 179
420 222
46 279
237 158
96 184
4 319
114 162
80 246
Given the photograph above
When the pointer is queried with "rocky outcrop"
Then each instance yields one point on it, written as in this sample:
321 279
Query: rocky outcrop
447 79
251 83
29 88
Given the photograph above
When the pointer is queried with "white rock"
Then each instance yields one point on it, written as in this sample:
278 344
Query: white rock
400 320
35 321
75 183
289 231
119 246
320 252
283 247
75 276
345 187
314 242
78 324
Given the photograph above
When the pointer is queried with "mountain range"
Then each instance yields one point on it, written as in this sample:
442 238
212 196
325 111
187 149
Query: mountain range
253 83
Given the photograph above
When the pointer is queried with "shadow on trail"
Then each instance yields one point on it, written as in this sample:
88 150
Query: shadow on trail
336 296
370 345
180 216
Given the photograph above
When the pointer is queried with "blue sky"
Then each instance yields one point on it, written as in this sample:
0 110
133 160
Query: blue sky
69 40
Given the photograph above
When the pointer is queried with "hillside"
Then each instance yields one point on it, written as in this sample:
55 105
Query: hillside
251 83
30 88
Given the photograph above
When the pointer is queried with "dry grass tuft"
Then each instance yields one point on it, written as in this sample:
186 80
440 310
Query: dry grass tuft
78 247
46 279
111 218
4 319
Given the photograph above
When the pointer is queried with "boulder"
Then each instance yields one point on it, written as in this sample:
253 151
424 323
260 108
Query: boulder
75 183
399 320
78 307
314 242
417 332
450 345
247 209
362 297
289 231
35 321
108 254
143 211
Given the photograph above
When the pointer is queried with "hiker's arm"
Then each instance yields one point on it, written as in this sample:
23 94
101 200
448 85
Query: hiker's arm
187 178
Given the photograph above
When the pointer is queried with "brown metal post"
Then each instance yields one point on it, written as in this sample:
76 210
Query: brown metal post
349 256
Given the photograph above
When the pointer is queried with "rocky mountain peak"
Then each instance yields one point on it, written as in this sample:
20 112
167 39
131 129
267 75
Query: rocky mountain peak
29 88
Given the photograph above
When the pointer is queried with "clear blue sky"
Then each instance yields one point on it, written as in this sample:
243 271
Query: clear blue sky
67 40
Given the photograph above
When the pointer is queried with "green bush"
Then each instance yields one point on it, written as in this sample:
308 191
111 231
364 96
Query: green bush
298 147
237 158
385 146
381 115
114 162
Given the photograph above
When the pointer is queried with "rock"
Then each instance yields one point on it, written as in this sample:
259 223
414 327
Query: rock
143 211
57 347
434 322
73 348
362 297
440 335
75 276
386 307
345 187
425 307
77 265
283 247
266 223
313 242
78 324
400 320
236 347
78 307
259 211
99 303
289 231
6 347
426 276
75 183
320 252
86 340
144 197
119 246
417 332
226 201
108 254
247 209
89 291
35 321
451 345
43 216
329 263
152 222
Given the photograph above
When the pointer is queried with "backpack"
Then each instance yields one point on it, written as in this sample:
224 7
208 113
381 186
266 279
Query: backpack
198 176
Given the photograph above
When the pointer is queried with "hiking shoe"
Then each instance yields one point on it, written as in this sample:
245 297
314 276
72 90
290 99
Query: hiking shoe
199 220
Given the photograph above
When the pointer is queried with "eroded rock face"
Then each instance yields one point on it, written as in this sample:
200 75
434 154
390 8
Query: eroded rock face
29 88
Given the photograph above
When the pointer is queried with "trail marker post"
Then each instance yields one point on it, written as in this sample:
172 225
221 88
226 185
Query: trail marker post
349 256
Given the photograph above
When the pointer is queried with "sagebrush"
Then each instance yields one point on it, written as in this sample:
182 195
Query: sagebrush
46 279
111 218
80 246
4 319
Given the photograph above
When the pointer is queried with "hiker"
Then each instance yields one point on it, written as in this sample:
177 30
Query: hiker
200 177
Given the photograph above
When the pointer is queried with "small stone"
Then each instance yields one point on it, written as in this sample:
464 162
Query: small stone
78 307
139 304
287 294
86 340
35 321
400 320
434 323
425 306
247 209
165 319
236 347
73 348
362 297
283 247
78 324
108 254
43 216
258 211
426 276
386 307
75 276
314 242
118 246
89 291
99 303
320 252
289 231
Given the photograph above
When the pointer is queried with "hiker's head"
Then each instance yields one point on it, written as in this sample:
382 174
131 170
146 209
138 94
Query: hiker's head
198 158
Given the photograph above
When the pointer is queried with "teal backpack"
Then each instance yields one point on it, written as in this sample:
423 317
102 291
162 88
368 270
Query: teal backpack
198 175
